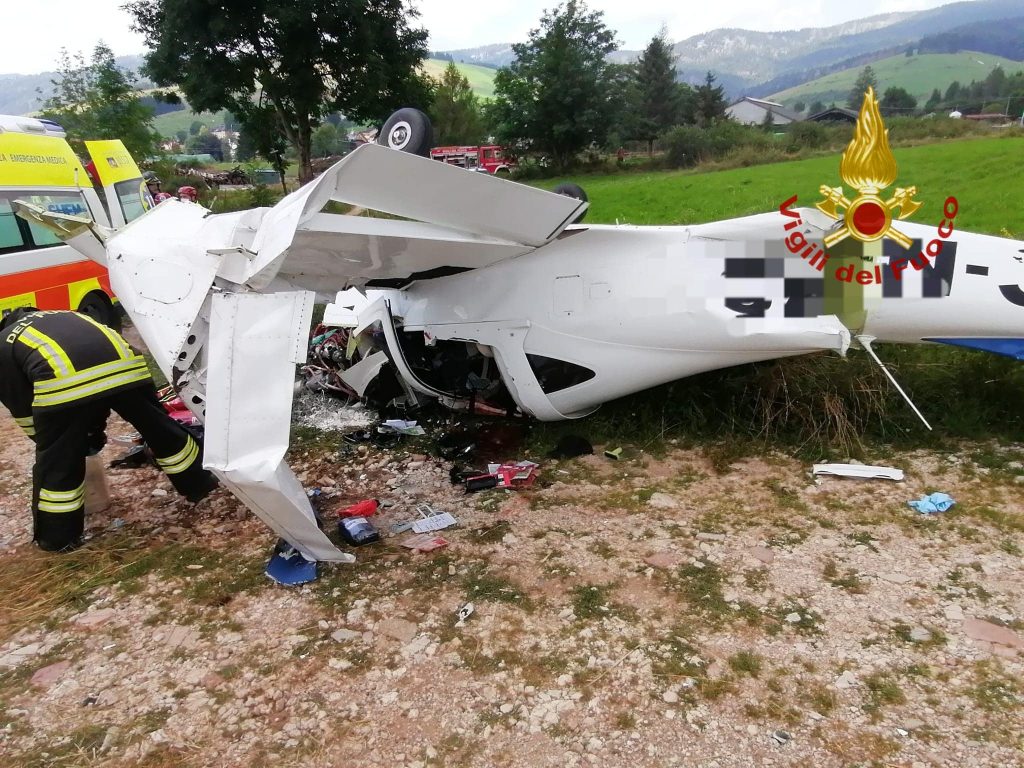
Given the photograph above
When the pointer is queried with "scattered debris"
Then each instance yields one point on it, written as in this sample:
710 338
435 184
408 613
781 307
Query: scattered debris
932 504
136 457
288 567
571 446
522 474
613 453
365 508
402 427
357 531
424 542
858 471
464 613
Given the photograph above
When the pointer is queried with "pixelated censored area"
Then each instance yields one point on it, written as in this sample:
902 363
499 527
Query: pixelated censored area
763 279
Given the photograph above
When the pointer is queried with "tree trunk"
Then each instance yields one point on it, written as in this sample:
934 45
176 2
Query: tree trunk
304 136
650 147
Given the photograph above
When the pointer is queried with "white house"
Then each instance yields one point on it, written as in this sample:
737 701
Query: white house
751 111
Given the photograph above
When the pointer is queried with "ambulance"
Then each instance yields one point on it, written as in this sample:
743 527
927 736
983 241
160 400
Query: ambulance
37 165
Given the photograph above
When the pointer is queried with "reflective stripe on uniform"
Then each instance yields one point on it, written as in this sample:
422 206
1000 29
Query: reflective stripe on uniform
182 460
49 349
137 372
87 375
26 423
61 501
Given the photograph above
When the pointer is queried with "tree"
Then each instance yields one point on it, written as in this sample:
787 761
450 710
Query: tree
816 107
799 107
768 121
292 62
933 101
98 101
456 111
953 91
658 94
897 101
866 79
206 143
182 137
553 97
709 101
324 141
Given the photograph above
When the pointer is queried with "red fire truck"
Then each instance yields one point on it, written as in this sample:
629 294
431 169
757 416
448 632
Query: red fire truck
486 159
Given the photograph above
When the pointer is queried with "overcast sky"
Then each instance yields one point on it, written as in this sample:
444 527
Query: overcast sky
30 40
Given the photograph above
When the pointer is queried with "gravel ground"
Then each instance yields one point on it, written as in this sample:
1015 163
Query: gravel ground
653 611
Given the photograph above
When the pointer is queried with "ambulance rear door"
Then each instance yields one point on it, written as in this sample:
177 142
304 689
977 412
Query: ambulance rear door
125 190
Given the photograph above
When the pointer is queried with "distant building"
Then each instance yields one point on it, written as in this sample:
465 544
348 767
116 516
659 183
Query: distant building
988 117
834 115
751 111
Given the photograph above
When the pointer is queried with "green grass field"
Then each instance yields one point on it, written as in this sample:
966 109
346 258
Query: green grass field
169 124
481 79
917 74
983 174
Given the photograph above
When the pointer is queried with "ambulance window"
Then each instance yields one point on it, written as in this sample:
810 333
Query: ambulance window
10 234
129 195
73 205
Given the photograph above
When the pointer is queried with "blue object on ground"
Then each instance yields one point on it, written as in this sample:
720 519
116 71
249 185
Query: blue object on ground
289 567
930 505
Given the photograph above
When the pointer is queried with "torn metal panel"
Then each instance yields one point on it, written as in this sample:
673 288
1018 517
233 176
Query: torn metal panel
859 471
254 344
365 371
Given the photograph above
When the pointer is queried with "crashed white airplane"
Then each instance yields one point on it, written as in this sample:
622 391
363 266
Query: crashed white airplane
567 316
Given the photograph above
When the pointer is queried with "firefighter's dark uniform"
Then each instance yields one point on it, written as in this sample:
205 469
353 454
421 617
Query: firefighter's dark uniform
61 373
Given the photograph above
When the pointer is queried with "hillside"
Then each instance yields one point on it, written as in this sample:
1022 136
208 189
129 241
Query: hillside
917 74
982 173
481 79
742 58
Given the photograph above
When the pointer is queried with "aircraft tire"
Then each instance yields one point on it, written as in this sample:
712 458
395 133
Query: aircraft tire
575 191
408 130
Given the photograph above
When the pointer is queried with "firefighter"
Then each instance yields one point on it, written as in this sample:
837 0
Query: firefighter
61 373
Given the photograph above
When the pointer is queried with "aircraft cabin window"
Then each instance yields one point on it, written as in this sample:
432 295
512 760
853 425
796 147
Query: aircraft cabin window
556 375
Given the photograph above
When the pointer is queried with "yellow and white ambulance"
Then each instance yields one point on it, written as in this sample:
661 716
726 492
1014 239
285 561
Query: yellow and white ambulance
37 165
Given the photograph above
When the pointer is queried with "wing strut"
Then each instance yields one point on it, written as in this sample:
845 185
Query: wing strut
865 341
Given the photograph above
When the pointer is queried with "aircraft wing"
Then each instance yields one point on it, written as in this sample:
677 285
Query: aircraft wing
444 217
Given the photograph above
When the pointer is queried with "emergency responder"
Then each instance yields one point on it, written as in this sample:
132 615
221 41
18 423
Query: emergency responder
61 373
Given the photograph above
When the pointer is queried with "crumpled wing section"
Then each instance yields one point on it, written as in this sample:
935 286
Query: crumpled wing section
255 342
497 212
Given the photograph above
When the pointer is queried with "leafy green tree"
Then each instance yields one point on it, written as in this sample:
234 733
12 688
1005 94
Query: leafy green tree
325 141
206 143
98 100
897 101
995 83
456 110
245 151
295 62
799 107
182 137
554 96
195 128
934 100
952 92
709 101
768 121
659 104
816 107
866 79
